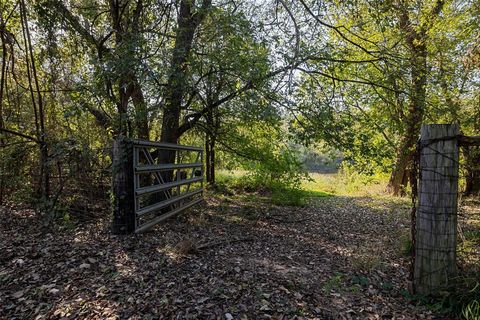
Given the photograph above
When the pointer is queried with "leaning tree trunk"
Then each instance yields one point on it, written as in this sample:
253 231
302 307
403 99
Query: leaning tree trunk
399 178
176 85
416 40
176 90
400 175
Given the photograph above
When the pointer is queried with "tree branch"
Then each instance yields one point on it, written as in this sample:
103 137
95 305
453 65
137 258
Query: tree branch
19 134
74 23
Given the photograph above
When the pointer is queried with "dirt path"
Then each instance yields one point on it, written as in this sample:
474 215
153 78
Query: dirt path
337 258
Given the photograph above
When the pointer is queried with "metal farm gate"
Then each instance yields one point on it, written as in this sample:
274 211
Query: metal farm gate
153 181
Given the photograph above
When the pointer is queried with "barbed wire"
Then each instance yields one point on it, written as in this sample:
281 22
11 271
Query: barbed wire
427 180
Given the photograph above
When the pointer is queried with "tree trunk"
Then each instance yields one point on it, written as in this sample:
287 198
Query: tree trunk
122 180
212 161
188 22
210 138
43 188
207 157
416 42
141 111
399 178
176 84
472 187
396 184
3 81
210 158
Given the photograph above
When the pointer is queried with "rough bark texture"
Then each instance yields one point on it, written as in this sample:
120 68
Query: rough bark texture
188 22
398 179
416 40
122 179
436 221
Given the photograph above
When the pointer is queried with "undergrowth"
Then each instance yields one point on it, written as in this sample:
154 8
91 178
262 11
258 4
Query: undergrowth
296 192
277 192
347 183
461 301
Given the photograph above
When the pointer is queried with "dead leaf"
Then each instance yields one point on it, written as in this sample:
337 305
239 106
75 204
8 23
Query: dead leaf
18 294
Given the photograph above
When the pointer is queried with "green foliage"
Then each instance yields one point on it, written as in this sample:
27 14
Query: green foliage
361 107
276 193
461 300
466 299
282 196
472 310
359 137
333 284
262 152
281 168
15 164
356 180
407 246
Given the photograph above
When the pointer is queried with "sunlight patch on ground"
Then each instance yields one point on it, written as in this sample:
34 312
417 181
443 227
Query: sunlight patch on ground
342 185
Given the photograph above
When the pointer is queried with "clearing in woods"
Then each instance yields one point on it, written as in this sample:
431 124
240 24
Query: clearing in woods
240 257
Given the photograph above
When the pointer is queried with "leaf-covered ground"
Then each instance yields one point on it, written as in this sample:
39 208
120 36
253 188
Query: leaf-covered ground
233 258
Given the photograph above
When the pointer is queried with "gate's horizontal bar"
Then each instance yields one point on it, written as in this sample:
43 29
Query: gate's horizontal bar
148 225
165 203
164 186
159 167
164 145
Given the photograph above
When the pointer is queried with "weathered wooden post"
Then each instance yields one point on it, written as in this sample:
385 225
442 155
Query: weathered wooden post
436 220
123 188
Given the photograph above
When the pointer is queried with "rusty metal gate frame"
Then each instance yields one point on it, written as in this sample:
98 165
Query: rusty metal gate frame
176 203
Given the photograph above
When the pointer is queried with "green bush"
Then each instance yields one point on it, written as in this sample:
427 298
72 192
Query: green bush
281 168
277 192
356 181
